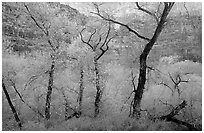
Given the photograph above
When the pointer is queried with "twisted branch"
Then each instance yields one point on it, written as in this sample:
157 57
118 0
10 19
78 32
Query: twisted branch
148 12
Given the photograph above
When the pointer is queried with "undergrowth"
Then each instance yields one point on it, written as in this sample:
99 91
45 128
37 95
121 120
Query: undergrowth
114 123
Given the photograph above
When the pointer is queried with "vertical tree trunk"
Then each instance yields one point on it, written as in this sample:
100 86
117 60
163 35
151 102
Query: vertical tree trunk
81 89
98 89
49 91
140 88
11 106
66 104
143 58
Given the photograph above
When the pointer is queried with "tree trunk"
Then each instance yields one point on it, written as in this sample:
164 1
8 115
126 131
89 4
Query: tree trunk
11 106
143 58
49 91
66 104
140 88
81 89
98 89
66 109
141 80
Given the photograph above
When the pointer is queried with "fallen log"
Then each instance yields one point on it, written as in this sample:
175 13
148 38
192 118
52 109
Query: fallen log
170 117
174 112
191 127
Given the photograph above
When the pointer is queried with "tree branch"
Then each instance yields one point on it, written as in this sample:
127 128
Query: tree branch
116 22
179 80
184 5
172 78
46 32
106 42
91 36
174 111
99 40
86 42
165 103
148 47
109 28
133 81
33 78
162 83
20 96
37 24
148 12
103 51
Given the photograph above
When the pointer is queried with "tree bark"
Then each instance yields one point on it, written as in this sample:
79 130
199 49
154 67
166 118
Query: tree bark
98 89
49 91
12 106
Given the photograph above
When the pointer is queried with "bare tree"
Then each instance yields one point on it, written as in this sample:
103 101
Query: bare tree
103 48
45 30
161 21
